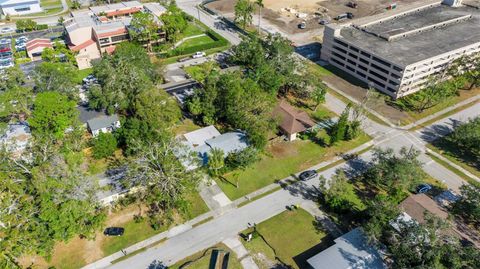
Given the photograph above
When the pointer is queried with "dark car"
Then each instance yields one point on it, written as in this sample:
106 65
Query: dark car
423 188
306 175
114 231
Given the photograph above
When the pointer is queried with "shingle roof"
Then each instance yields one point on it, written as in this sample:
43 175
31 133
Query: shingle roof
229 142
416 205
351 251
292 120
198 137
102 122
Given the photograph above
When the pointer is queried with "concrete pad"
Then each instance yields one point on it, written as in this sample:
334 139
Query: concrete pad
234 244
222 199
248 263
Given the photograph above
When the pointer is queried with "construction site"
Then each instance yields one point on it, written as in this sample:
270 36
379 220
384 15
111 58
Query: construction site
303 20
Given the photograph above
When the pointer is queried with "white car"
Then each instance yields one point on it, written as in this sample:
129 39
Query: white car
199 54
5 30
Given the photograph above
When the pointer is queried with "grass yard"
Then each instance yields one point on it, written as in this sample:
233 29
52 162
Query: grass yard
451 152
293 235
196 41
201 260
185 126
463 95
81 74
282 160
79 252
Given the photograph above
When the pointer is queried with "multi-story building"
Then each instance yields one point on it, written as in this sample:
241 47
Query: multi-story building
397 53
99 29
20 7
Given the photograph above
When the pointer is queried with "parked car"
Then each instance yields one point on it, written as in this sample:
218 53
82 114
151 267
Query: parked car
324 22
423 188
114 231
306 175
302 25
5 30
199 54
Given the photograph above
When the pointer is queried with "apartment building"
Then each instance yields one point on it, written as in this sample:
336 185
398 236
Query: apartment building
397 53
97 30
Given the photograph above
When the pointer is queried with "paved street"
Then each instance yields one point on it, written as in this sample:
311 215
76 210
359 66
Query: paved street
234 220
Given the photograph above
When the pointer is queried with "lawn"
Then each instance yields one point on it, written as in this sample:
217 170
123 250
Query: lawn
201 260
81 74
196 41
78 252
282 160
185 126
191 30
450 151
293 235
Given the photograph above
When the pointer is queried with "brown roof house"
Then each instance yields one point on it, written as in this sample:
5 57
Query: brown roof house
292 120
415 206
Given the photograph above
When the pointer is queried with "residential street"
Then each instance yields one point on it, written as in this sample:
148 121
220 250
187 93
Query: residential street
234 220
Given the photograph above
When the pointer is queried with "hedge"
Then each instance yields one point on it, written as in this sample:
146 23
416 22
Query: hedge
219 41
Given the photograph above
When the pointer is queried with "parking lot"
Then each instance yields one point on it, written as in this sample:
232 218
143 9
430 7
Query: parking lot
285 16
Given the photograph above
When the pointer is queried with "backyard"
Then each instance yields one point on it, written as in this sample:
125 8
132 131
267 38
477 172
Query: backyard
79 252
283 159
201 260
294 235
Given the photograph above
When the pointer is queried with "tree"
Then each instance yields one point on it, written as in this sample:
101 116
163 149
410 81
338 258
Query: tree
466 138
468 206
50 76
243 12
396 174
26 25
339 193
216 161
76 5
260 5
15 102
104 145
162 178
122 77
144 29
157 108
53 113
318 96
242 159
59 53
381 210
12 77
174 23
339 130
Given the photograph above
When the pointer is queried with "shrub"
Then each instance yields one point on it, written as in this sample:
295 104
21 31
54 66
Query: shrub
218 42
104 145
242 159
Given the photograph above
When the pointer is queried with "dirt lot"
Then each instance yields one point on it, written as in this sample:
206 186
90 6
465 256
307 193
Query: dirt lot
282 15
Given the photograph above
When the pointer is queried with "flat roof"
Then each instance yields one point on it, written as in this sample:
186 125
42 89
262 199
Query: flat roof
429 32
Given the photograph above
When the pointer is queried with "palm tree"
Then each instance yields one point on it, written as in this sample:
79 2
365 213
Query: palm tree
260 5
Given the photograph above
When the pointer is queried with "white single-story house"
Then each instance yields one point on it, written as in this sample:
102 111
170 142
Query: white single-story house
20 7
202 141
350 251
98 121
16 138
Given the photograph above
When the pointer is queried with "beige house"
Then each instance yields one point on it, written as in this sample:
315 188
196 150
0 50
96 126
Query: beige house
97 30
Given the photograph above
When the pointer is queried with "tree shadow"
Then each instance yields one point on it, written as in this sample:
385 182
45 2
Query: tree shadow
435 131
301 259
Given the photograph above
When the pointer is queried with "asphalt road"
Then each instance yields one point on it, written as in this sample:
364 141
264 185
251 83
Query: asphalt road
235 220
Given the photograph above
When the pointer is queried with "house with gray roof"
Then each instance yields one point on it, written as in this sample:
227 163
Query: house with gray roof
98 121
350 251
202 141
16 138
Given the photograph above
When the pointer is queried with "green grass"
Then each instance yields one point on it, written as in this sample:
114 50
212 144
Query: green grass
282 160
454 170
81 74
444 115
174 59
185 126
293 235
136 232
463 95
201 260
246 202
191 30
196 41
